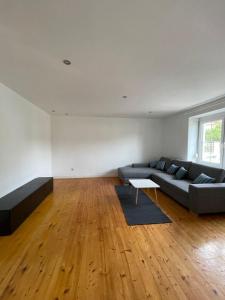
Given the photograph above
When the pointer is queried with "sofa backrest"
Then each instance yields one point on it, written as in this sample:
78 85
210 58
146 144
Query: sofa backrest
196 169
182 163
168 162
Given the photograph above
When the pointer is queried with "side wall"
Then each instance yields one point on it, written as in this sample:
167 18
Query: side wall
91 146
175 136
25 141
176 130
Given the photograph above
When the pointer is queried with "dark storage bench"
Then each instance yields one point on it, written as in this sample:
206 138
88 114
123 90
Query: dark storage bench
16 206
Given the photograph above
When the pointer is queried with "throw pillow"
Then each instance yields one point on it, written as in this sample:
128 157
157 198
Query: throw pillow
153 163
160 165
203 178
172 169
181 173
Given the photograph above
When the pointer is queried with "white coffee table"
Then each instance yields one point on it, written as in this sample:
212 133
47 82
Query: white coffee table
143 184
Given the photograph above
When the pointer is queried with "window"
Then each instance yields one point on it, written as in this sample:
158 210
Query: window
211 140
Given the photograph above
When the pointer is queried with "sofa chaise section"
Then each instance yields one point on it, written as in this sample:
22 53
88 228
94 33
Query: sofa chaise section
140 170
136 171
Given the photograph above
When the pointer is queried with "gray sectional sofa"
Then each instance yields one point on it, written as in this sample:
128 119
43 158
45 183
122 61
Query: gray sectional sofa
199 198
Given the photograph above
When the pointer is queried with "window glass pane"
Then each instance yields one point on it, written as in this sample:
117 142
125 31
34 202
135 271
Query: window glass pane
211 141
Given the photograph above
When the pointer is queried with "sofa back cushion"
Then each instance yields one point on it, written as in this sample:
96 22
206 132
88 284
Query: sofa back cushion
196 169
182 163
181 173
160 165
203 178
168 162
172 169
153 163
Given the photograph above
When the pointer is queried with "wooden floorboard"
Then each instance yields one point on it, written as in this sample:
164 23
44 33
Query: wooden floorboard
77 245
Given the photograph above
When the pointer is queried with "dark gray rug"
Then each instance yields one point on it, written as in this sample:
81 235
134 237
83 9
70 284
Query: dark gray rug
146 212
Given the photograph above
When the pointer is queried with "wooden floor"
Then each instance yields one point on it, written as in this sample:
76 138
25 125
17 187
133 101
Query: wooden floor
77 245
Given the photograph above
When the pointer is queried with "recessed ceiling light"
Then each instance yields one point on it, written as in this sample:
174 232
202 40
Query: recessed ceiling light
124 97
67 62
53 111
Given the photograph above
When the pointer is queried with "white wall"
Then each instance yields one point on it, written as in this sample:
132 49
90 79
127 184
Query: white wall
25 141
82 146
175 136
175 130
98 146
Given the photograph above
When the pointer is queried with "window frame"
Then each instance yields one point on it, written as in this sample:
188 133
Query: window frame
206 119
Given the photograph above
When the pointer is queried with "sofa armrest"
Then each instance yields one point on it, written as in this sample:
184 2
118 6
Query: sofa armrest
207 198
141 165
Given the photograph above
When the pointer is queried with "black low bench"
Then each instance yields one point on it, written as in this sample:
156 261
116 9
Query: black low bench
16 206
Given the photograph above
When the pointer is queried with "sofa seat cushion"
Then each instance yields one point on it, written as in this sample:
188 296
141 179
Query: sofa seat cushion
196 169
130 172
163 175
177 189
182 184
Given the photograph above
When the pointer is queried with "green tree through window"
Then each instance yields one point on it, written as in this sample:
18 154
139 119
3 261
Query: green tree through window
213 134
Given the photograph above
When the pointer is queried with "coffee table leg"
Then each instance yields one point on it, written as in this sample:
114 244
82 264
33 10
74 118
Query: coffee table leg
156 198
136 197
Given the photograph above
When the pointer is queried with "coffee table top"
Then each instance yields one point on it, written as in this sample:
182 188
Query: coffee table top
143 183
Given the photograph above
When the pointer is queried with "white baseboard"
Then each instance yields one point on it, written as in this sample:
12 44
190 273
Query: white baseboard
96 176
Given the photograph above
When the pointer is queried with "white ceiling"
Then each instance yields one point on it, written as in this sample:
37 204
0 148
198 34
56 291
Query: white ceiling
165 55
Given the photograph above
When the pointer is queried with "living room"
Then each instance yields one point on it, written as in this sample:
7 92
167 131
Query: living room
112 179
